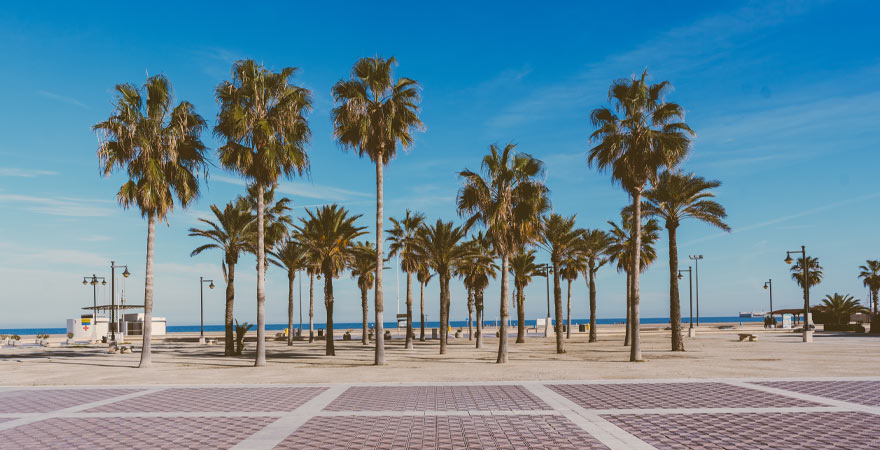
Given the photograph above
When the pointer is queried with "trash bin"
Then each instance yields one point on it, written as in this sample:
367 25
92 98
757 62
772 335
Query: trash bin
433 333
582 328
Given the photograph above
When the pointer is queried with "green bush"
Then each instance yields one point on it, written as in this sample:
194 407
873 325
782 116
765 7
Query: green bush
858 328
240 332
69 335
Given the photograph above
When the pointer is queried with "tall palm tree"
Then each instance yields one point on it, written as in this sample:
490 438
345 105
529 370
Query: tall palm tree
230 232
676 197
159 145
636 139
523 268
443 249
375 115
560 237
263 121
329 234
476 271
483 248
870 275
814 273
363 268
405 242
593 246
509 203
424 276
291 255
620 250
573 264
841 307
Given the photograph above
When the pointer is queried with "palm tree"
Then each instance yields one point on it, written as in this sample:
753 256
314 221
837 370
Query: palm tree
509 203
620 251
870 275
484 251
676 197
405 242
160 147
363 267
571 266
523 268
290 254
276 222
263 120
443 249
841 307
475 272
231 233
424 276
329 234
640 136
593 246
374 115
560 237
815 272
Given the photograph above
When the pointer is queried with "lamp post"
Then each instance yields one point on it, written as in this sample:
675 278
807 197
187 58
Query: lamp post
808 335
547 271
93 280
769 285
202 282
691 331
696 259
125 274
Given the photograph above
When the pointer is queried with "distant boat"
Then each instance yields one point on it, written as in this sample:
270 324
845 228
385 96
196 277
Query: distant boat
752 314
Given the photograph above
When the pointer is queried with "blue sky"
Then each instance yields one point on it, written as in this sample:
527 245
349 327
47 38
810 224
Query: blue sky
783 97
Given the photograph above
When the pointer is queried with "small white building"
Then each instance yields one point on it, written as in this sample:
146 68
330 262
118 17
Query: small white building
89 328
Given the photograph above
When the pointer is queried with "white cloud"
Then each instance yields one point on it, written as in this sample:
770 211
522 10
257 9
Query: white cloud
301 189
60 206
62 98
24 173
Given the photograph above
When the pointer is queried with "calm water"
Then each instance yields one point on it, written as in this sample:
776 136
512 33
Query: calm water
357 325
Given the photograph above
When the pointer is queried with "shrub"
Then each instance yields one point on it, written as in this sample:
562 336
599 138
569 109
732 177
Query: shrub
240 332
69 335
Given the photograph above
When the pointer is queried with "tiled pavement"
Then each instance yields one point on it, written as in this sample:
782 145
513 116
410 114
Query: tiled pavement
672 414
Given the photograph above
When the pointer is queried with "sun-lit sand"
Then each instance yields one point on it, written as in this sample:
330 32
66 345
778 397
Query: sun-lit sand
179 359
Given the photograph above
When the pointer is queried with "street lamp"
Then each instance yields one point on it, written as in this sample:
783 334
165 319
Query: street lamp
696 259
202 282
691 331
808 335
548 269
93 280
769 285
113 318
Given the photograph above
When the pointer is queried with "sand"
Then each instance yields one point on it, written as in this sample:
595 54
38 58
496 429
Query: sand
714 353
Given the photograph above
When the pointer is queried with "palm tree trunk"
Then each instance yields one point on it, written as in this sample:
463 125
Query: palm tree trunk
557 306
470 307
409 325
674 303
311 307
478 297
505 289
422 312
444 318
291 275
146 355
627 338
592 285
364 337
328 303
261 279
635 350
520 316
377 298
229 343
875 292
568 313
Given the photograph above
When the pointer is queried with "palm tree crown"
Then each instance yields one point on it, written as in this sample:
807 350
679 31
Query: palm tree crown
841 307
815 272
870 275
677 196
231 232
404 240
329 234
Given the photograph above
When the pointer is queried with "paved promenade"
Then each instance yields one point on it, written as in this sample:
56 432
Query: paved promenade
663 414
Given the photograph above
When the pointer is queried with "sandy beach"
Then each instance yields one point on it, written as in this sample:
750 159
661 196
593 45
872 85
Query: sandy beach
714 353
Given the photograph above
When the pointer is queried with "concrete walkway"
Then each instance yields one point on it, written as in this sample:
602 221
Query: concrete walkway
632 414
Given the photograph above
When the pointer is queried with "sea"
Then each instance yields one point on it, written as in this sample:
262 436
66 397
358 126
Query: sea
392 325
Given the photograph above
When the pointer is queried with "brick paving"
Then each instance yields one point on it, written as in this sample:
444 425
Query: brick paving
437 398
670 395
798 430
738 414
861 392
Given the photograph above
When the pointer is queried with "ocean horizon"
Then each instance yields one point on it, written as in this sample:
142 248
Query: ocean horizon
393 325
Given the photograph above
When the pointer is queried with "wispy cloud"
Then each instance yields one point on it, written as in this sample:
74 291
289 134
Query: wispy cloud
301 189
62 98
24 173
59 206
95 238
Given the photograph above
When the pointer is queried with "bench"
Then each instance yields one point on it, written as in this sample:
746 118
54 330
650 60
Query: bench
749 336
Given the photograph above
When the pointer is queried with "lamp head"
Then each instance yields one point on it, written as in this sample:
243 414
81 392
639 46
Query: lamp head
85 283
103 282
765 285
788 259
211 285
680 276
126 273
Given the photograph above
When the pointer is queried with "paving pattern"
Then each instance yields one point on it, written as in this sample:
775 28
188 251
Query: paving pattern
726 414
670 395
861 392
